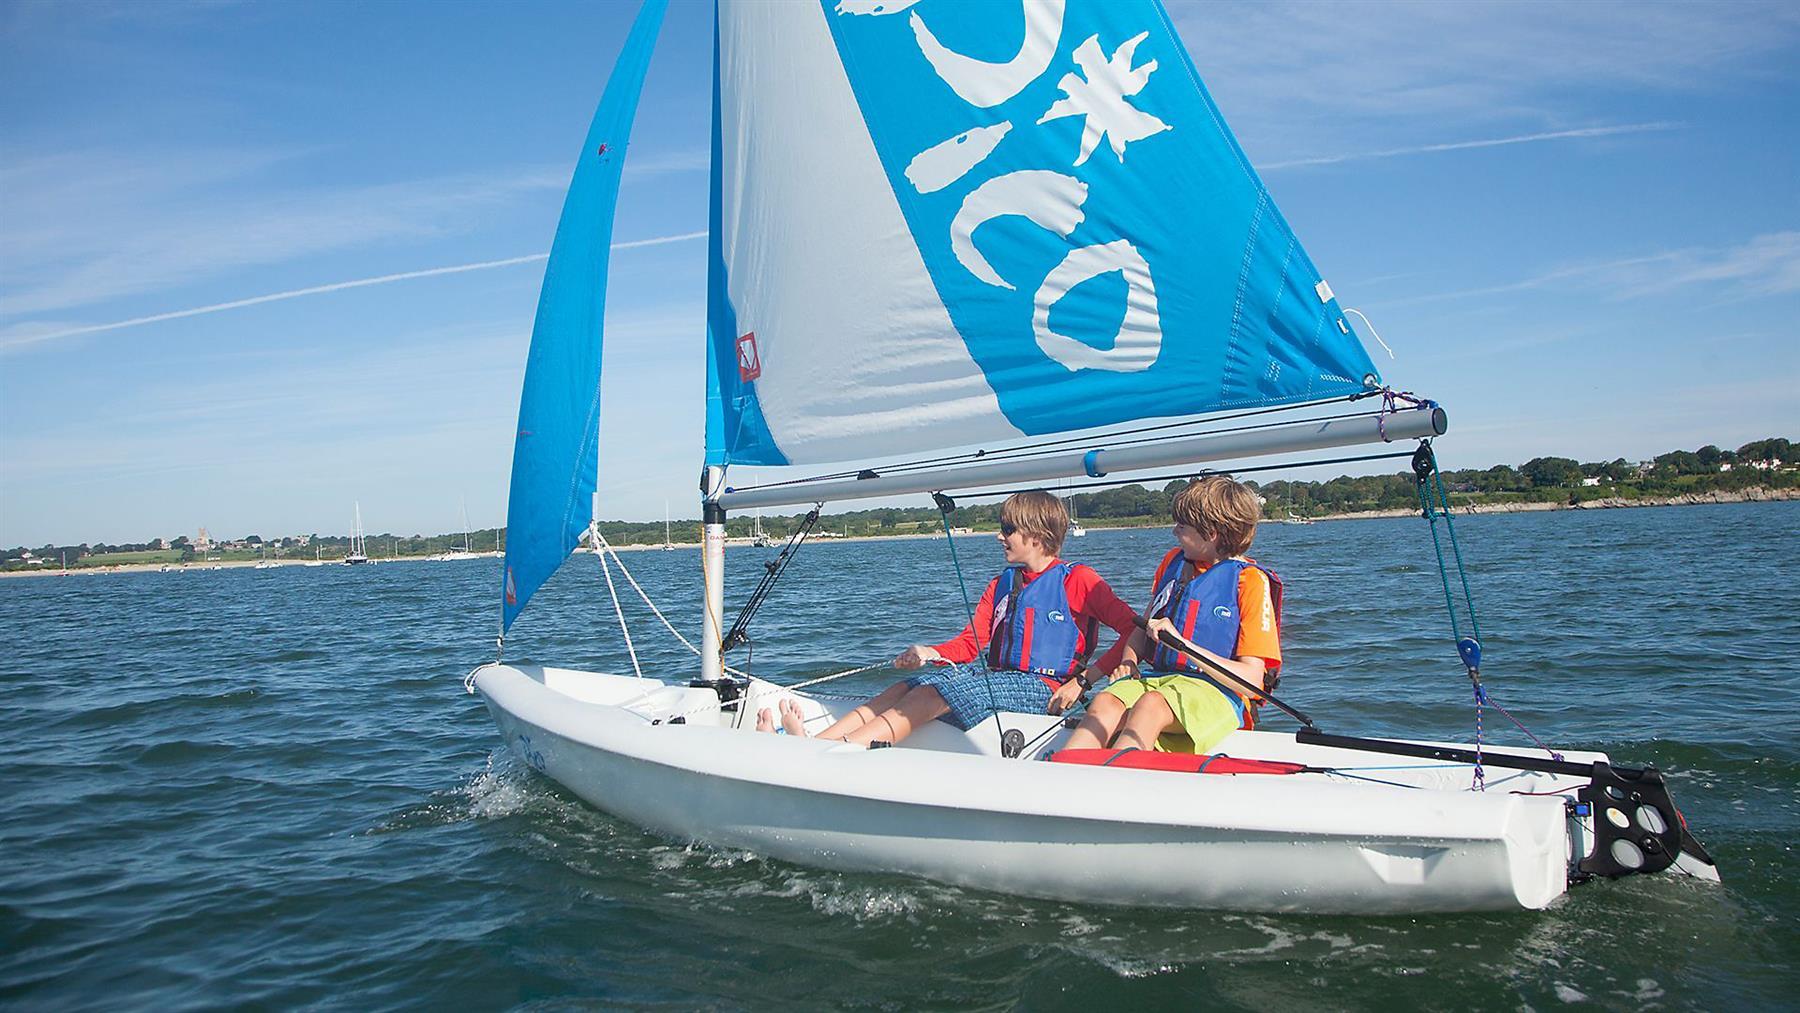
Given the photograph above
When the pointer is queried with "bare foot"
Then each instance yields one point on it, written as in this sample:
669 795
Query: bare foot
791 720
765 720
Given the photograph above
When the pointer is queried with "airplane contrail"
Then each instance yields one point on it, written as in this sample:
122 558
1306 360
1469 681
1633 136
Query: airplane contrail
1554 135
320 289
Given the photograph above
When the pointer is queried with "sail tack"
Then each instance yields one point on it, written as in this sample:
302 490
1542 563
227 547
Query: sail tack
555 447
937 223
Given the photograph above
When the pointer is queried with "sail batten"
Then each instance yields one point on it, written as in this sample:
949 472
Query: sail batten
941 223
555 448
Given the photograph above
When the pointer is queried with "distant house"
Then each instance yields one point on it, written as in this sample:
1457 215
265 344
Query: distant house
1724 465
1590 481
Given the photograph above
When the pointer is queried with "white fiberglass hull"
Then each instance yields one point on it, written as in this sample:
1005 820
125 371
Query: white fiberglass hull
944 808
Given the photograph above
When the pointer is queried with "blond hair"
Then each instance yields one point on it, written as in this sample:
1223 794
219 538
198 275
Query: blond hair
1221 509
1039 515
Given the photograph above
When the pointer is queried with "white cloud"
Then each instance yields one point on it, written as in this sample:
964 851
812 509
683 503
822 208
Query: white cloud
79 236
1298 75
22 335
1764 265
1495 142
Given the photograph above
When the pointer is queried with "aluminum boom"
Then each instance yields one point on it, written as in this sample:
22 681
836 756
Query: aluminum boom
1098 460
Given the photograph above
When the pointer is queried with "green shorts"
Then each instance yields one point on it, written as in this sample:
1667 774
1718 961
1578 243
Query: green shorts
1204 713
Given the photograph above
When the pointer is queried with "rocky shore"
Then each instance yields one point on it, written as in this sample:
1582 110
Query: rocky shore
1755 494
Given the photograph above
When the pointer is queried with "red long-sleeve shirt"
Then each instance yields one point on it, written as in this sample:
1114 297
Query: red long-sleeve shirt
1089 598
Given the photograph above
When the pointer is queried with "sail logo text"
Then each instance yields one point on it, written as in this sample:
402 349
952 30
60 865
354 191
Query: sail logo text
1100 95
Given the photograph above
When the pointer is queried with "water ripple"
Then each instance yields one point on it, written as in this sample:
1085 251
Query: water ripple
267 788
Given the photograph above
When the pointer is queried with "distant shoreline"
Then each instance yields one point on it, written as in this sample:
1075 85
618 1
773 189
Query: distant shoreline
1756 494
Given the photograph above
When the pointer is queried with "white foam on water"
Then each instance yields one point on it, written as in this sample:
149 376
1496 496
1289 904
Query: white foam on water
497 792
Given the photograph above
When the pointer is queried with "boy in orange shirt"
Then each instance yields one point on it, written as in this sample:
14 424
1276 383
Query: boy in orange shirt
1225 605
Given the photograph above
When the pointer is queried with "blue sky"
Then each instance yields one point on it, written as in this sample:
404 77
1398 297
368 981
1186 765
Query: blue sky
1578 225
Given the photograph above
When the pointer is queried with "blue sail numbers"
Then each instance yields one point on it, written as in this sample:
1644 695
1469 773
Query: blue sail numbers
554 450
1017 219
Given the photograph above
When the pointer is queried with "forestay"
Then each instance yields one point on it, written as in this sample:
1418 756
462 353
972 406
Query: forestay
939 223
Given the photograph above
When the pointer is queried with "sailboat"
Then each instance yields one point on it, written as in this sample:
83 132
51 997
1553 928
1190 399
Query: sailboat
668 544
901 240
464 552
758 537
358 544
1075 528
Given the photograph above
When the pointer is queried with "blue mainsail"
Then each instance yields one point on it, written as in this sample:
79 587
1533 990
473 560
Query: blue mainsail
555 447
939 222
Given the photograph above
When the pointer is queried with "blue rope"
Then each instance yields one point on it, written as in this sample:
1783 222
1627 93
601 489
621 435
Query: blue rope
1427 483
1437 478
1429 509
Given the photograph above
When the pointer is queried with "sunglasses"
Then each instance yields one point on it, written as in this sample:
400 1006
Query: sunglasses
1007 530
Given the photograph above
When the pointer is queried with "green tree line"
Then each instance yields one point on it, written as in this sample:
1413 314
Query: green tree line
1769 463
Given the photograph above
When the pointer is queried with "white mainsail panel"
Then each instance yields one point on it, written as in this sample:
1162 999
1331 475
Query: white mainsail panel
942 223
857 353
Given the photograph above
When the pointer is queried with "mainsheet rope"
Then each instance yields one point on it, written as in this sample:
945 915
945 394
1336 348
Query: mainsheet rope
1434 501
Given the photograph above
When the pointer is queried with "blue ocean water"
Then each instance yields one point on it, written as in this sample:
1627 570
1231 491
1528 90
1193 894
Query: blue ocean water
267 788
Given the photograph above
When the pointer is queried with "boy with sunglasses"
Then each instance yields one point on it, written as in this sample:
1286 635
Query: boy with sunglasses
1035 627
1224 605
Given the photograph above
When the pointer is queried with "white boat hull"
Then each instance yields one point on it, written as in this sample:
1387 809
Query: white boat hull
945 808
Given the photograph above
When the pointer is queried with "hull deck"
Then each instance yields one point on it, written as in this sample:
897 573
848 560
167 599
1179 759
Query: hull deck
946 806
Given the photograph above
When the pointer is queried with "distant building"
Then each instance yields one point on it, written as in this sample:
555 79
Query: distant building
1590 481
204 542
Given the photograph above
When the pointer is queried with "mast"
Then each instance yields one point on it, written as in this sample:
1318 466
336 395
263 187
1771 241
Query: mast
712 564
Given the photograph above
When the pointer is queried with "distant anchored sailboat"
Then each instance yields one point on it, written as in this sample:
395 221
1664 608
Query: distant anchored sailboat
861 308
358 544
464 552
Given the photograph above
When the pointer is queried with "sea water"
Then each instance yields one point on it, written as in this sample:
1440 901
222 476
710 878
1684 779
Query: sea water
268 788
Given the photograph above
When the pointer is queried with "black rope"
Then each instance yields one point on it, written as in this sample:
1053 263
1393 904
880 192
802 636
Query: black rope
988 494
772 571
1016 453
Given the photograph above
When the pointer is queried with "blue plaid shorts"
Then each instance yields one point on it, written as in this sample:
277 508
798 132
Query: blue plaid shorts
973 693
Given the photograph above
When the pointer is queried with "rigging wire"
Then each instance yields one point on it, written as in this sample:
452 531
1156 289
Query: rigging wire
618 608
945 504
1286 465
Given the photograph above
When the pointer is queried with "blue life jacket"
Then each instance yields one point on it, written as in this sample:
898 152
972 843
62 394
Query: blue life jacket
1034 629
1203 609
